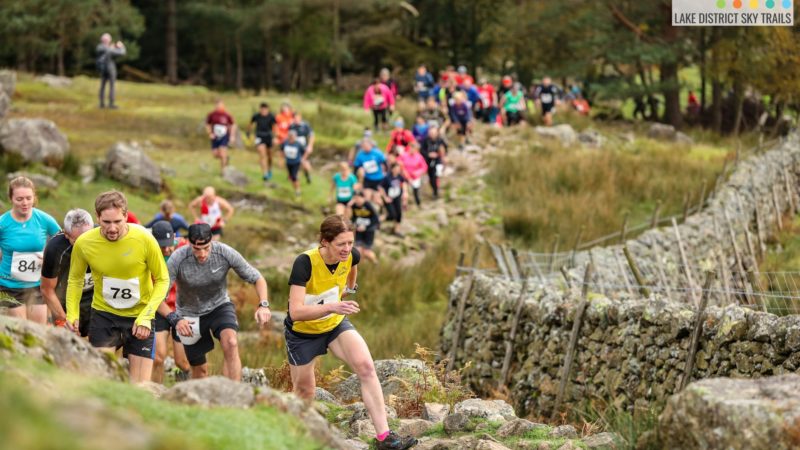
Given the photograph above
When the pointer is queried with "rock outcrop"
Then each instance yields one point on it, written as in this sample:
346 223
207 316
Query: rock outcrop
34 140
129 164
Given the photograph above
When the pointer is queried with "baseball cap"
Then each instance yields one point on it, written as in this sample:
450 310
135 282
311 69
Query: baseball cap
162 231
199 233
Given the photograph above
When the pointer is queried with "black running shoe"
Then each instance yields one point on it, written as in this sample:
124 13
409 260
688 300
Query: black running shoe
395 442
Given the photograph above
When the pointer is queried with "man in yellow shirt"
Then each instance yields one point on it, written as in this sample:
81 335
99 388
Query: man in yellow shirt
130 281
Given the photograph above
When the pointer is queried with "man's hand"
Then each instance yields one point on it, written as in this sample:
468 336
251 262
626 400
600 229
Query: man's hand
345 307
141 332
74 326
263 315
184 328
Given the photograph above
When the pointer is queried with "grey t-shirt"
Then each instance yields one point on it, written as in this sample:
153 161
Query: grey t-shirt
203 287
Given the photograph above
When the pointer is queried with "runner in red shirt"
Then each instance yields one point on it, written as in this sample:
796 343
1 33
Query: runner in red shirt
284 120
222 132
488 111
399 139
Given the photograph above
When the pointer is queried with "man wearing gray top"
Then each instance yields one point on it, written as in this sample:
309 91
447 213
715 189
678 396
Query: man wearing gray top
203 307
106 51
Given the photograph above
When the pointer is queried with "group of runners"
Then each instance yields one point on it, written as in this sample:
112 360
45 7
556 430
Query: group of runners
135 289
286 131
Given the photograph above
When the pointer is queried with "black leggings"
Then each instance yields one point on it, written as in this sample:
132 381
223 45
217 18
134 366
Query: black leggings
380 116
416 195
394 210
433 178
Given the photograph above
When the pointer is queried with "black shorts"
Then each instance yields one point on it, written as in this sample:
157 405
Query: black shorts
302 348
548 108
343 202
365 239
220 142
20 297
162 324
216 231
462 129
374 185
221 318
293 170
263 139
108 330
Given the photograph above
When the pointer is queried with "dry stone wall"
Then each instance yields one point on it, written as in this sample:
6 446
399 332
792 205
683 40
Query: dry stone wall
631 350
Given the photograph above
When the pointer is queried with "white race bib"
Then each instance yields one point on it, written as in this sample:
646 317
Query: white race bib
302 140
220 130
195 324
344 192
88 282
400 148
439 170
26 266
121 294
377 100
370 166
291 151
546 98
258 140
326 298
416 184
363 222
394 191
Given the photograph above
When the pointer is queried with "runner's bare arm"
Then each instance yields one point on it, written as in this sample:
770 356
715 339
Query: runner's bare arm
233 133
227 207
77 273
48 288
194 207
302 312
208 131
352 277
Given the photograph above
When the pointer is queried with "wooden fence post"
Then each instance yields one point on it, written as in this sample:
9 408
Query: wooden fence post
552 266
698 329
738 255
636 274
509 344
462 305
656 211
577 244
500 259
624 230
778 213
686 269
573 341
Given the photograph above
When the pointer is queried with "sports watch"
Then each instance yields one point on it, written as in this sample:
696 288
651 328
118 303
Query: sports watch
352 290
263 304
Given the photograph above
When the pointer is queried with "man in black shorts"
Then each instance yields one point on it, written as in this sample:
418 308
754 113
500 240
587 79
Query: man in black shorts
547 100
366 220
204 308
55 270
264 122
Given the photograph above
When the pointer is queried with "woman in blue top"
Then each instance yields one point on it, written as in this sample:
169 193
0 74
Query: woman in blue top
24 230
168 213
370 164
342 187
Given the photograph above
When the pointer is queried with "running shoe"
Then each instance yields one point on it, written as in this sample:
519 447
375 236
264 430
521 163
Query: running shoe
268 175
308 178
395 442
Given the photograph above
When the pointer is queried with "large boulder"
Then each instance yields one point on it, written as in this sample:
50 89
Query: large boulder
564 133
395 375
491 410
55 81
234 176
40 180
8 82
317 426
662 131
212 391
5 104
734 414
129 164
34 140
58 347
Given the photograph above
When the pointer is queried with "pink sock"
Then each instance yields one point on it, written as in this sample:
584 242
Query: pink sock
381 437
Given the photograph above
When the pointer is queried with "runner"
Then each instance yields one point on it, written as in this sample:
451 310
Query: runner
462 76
295 154
423 84
351 155
386 78
414 166
284 121
434 150
366 220
55 270
264 123
547 100
369 165
488 101
207 208
342 187
305 136
317 320
506 83
395 196
420 129
461 116
130 281
168 213
222 132
204 308
399 138
513 105
165 333
434 112
24 230
379 99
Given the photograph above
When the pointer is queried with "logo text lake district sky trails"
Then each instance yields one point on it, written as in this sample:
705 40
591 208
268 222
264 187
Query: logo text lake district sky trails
732 12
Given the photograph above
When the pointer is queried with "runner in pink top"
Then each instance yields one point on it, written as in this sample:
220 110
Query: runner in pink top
379 99
414 167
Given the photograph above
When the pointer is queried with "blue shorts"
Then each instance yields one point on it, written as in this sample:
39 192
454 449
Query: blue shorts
220 142
293 169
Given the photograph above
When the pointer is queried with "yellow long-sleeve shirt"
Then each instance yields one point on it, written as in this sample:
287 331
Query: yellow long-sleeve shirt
130 276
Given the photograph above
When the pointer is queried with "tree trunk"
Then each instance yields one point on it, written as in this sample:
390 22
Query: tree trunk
268 67
286 73
226 54
239 61
60 59
703 50
171 43
738 95
672 94
716 106
337 56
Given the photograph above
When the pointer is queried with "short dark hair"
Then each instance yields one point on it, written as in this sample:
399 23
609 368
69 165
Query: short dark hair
263 105
111 200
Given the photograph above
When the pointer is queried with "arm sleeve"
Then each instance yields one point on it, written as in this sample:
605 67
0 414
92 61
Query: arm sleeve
49 265
52 226
301 270
356 257
239 265
158 270
77 272
182 225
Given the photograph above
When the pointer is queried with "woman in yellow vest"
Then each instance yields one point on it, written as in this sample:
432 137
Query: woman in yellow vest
317 321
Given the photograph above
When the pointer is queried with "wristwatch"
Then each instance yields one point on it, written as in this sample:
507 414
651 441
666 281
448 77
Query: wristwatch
352 290
263 304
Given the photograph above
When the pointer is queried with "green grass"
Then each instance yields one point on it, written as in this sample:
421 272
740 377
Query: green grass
33 416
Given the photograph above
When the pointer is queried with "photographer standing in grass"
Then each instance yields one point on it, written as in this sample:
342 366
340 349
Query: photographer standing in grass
106 51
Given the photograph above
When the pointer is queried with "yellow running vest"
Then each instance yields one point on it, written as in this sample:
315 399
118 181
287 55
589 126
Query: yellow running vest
324 287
